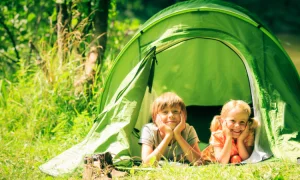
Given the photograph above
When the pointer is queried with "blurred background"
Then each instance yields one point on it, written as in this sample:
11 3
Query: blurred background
282 16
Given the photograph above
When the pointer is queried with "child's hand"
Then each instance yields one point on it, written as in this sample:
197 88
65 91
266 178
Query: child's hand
162 126
244 134
226 130
181 126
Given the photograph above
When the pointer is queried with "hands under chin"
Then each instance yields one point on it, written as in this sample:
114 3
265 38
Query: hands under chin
167 130
163 128
226 130
180 127
244 134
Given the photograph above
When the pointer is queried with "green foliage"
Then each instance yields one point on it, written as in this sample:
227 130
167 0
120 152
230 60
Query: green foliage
120 33
42 112
21 22
41 116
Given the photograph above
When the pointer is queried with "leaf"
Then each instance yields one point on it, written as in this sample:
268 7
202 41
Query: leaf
152 160
30 17
132 171
59 127
279 177
74 22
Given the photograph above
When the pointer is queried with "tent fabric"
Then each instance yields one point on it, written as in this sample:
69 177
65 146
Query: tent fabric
207 52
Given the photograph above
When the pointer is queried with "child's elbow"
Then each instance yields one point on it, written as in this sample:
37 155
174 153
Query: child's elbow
150 161
222 160
145 160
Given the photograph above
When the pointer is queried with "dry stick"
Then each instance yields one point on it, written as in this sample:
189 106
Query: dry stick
10 35
13 59
89 66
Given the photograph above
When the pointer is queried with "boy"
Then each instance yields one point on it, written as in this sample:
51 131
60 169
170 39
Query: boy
169 135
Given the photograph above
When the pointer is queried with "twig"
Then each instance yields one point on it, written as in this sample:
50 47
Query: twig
9 57
9 34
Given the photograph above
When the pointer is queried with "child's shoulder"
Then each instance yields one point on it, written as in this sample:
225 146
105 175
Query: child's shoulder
189 129
218 133
187 126
151 126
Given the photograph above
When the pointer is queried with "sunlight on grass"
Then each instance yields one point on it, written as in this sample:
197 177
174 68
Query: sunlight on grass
265 170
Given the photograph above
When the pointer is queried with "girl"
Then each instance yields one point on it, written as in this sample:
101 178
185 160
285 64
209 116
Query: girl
169 135
232 134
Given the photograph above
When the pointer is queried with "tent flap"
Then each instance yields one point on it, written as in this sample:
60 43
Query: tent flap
114 125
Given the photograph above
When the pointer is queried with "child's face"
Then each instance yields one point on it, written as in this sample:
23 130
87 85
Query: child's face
171 116
236 120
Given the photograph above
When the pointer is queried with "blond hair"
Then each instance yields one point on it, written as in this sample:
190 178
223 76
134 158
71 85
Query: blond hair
168 99
216 123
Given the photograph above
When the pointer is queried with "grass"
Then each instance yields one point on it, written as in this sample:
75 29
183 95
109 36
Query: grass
42 113
264 170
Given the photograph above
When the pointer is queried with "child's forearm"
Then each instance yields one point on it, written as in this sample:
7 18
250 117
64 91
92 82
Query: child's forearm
190 153
160 149
243 151
224 156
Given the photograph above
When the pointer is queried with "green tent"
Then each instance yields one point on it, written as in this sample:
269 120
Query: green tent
207 52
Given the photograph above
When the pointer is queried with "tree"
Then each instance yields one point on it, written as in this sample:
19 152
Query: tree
21 22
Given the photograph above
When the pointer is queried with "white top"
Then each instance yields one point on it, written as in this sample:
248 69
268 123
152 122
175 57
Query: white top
150 136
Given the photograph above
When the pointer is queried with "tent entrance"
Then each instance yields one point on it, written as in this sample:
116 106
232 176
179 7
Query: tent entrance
206 73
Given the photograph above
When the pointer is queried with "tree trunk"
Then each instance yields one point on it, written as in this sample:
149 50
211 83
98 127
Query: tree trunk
101 23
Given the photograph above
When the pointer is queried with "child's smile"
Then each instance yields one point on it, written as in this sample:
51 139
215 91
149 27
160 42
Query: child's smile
170 116
236 133
236 121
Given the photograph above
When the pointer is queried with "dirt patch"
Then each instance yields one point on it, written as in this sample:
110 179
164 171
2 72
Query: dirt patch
291 43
